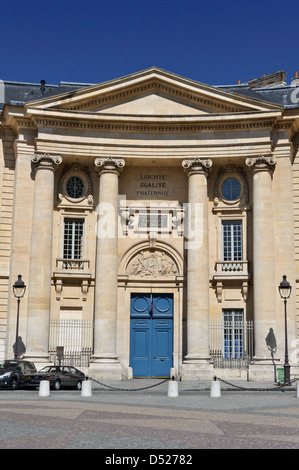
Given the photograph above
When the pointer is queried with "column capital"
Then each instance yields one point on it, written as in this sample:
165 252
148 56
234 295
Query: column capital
262 163
45 161
109 165
197 165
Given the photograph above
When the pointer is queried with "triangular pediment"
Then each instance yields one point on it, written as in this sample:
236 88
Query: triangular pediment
152 104
152 92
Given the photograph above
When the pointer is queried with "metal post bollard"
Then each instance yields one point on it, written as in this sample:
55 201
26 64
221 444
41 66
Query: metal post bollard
86 388
44 388
297 389
215 391
172 388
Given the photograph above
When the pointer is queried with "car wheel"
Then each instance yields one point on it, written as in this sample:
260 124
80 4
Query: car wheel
56 385
78 385
13 383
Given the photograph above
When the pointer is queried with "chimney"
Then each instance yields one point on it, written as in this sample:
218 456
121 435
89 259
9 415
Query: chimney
42 87
269 81
295 80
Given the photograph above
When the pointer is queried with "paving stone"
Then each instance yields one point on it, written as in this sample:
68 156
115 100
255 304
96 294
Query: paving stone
259 418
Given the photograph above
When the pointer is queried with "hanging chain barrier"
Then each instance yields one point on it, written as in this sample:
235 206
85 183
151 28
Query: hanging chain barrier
279 387
128 389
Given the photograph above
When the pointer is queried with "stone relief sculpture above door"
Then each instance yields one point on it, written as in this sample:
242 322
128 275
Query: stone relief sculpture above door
152 263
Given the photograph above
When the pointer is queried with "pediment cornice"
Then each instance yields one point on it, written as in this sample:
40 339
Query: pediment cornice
153 81
100 107
155 86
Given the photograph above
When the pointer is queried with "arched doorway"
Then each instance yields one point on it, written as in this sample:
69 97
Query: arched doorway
150 301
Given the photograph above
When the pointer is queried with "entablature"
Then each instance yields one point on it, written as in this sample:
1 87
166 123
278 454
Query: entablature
147 123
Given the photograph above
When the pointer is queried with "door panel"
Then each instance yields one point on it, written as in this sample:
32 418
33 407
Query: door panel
140 347
140 306
162 306
162 347
151 335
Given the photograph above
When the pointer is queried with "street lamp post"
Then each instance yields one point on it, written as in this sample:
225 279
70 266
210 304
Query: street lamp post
19 289
285 290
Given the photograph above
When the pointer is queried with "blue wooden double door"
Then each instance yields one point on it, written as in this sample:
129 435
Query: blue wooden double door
151 334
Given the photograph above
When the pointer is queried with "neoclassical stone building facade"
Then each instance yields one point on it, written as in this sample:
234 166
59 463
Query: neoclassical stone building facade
152 218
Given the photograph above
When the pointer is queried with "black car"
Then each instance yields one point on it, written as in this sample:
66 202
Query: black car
59 376
14 371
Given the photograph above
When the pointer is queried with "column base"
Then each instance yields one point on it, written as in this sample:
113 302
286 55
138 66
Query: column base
197 368
262 369
104 369
40 360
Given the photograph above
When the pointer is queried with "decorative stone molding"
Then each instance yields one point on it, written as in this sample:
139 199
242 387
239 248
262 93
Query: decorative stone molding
143 126
109 165
82 172
154 86
218 291
262 163
84 288
151 246
152 263
85 284
58 288
45 161
197 165
221 285
235 172
69 271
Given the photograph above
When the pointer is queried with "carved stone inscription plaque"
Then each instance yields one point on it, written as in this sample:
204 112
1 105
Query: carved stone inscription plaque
153 183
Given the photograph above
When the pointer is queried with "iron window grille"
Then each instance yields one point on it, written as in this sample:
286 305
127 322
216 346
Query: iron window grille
75 187
231 340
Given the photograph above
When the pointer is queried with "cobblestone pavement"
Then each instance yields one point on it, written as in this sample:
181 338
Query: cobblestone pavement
150 419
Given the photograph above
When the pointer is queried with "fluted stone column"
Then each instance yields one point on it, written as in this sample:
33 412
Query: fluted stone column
39 285
196 363
105 363
264 278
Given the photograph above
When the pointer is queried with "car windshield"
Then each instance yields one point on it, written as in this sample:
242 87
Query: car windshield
51 369
7 364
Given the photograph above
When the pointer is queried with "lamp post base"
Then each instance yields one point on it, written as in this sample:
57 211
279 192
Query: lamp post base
287 374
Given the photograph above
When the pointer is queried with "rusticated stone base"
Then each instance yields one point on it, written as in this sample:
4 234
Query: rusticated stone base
194 369
261 370
105 369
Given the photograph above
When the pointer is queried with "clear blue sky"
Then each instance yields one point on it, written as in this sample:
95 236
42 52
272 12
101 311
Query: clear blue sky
92 41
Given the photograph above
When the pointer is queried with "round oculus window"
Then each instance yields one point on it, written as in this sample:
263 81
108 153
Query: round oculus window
75 187
231 189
